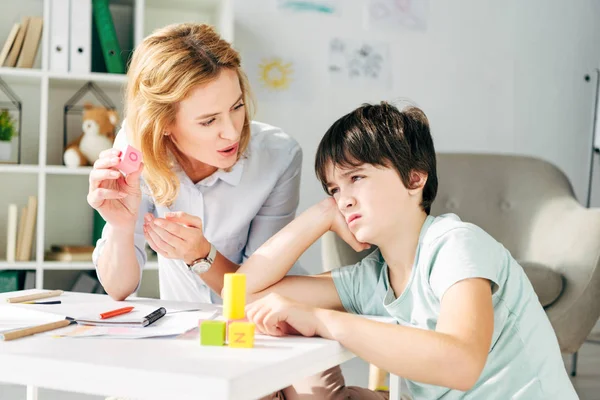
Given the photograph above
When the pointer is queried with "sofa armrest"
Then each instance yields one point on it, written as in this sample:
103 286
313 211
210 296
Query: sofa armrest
565 236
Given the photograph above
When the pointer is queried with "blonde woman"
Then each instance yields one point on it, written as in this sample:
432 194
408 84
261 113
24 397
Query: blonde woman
213 186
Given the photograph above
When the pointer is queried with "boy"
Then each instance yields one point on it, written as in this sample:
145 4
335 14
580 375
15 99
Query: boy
469 322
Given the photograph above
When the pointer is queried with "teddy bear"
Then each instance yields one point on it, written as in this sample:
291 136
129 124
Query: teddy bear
98 134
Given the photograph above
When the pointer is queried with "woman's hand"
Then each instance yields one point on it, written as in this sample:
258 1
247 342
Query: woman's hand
276 315
337 224
115 197
178 236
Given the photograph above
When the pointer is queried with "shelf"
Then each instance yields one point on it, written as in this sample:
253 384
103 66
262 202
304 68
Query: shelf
21 75
20 168
63 170
18 265
27 75
65 78
184 4
63 265
88 265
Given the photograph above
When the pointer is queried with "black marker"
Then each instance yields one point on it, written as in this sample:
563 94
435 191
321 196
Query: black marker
154 316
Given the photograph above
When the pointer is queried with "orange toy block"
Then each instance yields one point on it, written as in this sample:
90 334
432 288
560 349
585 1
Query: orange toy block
241 334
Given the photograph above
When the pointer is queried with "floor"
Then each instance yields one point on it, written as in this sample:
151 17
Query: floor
587 381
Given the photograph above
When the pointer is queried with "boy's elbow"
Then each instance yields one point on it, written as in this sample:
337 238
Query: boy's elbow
468 374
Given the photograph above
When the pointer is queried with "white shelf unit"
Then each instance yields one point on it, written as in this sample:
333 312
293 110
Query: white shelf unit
63 215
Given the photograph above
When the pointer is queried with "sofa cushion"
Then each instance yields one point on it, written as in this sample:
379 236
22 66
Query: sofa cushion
547 283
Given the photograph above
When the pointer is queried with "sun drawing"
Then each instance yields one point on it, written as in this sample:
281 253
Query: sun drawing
275 74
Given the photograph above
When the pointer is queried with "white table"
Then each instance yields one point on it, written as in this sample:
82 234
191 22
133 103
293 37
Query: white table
160 368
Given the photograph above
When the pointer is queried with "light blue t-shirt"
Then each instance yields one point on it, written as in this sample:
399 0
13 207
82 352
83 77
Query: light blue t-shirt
524 361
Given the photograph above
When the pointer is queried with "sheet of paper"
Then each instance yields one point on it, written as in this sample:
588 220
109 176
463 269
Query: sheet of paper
359 62
277 77
397 15
328 7
80 305
169 325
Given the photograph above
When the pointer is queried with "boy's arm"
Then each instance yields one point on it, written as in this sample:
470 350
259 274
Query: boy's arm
453 356
266 269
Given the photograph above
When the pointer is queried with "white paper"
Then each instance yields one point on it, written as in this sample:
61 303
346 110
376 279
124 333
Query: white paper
169 325
83 305
276 77
328 7
359 63
397 15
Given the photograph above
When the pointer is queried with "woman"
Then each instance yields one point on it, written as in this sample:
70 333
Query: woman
213 185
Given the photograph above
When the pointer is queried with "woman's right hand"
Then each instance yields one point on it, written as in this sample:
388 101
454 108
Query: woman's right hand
115 197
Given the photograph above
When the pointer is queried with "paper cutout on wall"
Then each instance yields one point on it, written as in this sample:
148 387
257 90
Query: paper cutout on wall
316 6
359 62
275 77
398 15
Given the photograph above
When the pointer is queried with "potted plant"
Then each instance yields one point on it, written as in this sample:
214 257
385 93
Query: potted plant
7 131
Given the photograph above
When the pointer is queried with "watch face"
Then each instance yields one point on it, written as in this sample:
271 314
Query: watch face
201 267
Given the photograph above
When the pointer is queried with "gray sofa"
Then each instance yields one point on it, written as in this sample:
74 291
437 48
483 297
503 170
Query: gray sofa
528 205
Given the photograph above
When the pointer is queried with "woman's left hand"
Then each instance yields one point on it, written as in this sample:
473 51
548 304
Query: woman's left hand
178 236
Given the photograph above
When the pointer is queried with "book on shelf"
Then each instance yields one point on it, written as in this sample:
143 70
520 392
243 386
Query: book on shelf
29 280
71 248
67 256
22 43
28 230
85 283
13 54
9 42
31 43
11 234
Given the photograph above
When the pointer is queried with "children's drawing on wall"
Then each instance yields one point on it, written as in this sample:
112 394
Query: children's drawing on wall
315 6
398 15
359 62
275 74
274 77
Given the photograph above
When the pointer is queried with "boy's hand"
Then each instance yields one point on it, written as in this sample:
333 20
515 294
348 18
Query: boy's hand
339 225
276 315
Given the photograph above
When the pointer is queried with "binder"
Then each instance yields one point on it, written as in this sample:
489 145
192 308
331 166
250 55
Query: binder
9 42
31 43
14 52
111 50
80 43
59 35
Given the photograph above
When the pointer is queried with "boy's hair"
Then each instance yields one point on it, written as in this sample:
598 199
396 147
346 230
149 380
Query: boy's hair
382 135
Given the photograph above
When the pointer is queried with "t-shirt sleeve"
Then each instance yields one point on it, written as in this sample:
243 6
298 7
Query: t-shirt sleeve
465 253
356 283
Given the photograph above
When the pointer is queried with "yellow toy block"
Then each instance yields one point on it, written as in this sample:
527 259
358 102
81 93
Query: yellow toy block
234 296
241 334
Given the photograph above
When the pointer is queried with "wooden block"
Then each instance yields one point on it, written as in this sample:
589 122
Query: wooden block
234 296
212 333
130 160
241 334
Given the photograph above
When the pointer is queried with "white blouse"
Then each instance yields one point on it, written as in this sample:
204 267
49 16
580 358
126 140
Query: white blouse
240 209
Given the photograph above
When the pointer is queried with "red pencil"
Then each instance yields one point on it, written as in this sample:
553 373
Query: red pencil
114 313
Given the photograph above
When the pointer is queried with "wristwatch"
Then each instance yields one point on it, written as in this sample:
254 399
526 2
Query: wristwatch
201 265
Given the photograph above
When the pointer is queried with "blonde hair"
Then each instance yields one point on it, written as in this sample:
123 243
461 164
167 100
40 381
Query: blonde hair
164 69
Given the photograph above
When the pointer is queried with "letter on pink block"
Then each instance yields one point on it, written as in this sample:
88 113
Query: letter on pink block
130 160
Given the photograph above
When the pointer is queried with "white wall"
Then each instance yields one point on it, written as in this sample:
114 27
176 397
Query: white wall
502 77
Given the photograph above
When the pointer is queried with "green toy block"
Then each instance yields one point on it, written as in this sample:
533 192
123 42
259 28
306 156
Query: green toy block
212 333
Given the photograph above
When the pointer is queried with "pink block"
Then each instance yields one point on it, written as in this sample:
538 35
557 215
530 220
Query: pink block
130 160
